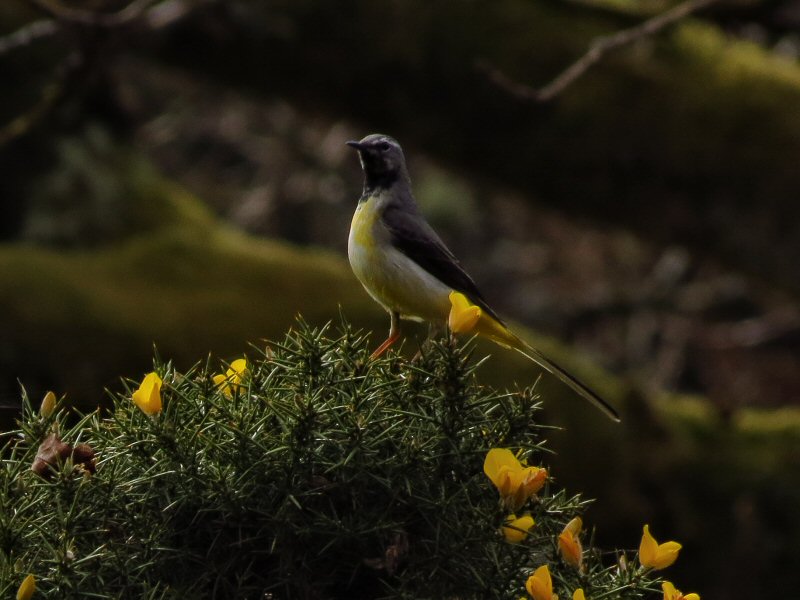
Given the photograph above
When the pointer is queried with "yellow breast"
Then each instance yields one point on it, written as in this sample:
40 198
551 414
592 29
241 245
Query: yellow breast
363 225
390 277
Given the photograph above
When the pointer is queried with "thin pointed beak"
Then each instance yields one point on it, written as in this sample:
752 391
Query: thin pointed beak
357 145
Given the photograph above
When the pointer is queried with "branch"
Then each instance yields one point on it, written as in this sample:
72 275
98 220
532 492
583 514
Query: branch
28 34
131 12
154 14
598 48
752 332
167 12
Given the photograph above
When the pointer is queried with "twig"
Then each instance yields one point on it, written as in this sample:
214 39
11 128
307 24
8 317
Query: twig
597 50
167 12
750 333
51 94
130 13
155 14
36 30
27 34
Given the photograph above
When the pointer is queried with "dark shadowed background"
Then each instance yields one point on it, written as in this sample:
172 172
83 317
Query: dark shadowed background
173 173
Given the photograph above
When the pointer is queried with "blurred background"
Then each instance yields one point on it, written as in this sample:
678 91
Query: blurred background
173 174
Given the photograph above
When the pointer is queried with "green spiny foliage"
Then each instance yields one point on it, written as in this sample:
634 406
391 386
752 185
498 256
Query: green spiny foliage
320 474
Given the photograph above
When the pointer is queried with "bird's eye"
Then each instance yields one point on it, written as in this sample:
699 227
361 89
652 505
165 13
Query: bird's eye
383 146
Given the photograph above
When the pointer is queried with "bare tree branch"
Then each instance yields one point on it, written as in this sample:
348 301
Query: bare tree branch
28 34
597 50
59 12
154 14
165 13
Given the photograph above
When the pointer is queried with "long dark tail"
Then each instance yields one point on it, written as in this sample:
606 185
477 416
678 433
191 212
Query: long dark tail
496 331
577 386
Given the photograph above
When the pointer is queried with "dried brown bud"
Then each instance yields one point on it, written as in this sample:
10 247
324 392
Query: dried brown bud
52 452
83 454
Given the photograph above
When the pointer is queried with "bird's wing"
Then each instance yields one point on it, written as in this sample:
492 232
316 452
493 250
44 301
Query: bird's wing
412 235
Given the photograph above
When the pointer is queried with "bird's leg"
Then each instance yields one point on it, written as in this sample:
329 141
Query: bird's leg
394 335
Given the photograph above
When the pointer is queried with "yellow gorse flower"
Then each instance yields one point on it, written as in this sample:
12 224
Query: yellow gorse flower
578 595
514 482
148 396
463 314
230 382
569 544
26 588
653 555
540 586
515 529
670 593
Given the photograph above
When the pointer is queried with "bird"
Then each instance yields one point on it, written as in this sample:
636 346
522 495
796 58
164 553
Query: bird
407 268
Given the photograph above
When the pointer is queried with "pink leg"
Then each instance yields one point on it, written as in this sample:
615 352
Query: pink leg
394 335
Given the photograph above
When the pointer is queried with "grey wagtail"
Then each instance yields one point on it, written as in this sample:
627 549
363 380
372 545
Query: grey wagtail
408 270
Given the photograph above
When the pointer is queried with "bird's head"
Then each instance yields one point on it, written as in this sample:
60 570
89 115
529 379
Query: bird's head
382 160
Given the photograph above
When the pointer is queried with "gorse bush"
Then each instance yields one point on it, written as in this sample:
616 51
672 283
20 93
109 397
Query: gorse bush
305 471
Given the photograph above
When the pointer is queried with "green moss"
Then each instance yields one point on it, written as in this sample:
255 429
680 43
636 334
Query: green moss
781 422
99 191
188 292
177 278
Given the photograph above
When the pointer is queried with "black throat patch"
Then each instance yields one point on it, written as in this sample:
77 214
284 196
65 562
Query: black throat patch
374 181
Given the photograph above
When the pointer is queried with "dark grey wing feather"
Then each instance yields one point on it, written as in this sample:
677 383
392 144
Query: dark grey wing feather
412 235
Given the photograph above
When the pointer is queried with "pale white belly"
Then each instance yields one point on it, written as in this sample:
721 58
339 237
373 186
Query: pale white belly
397 282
